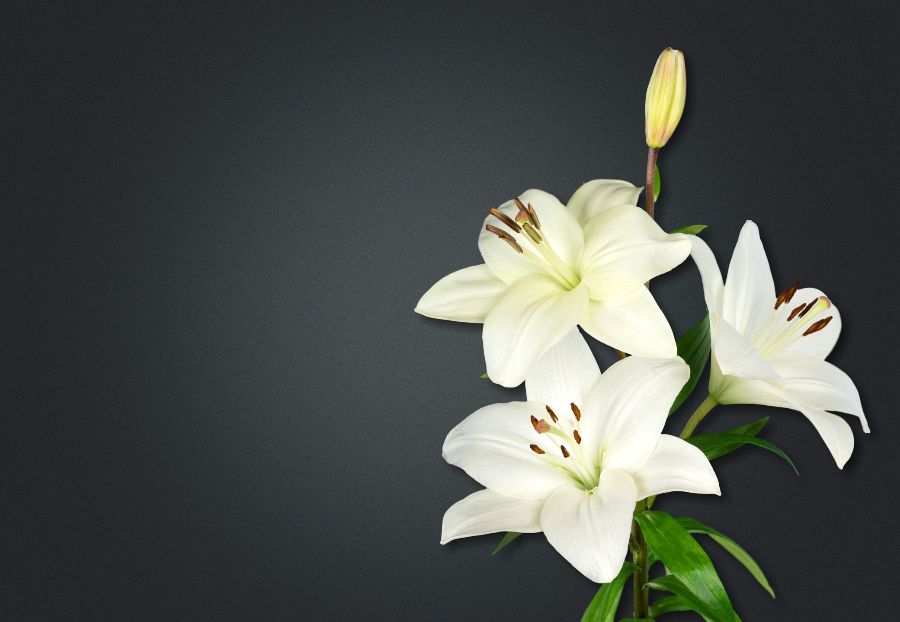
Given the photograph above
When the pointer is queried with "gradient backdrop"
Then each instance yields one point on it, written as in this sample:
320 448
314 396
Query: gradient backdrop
217 219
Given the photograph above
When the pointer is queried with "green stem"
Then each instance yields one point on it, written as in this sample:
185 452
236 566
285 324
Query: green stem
652 155
641 572
638 542
702 410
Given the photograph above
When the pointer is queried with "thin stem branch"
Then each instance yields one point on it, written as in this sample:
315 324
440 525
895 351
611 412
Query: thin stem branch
652 155
639 543
642 570
702 410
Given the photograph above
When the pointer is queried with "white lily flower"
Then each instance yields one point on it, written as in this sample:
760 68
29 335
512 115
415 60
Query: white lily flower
574 459
548 268
771 350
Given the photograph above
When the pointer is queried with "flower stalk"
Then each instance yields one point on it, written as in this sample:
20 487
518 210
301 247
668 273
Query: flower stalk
702 410
642 567
652 155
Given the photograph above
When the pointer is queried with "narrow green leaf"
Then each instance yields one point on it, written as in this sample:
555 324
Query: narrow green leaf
736 550
606 600
485 376
693 347
689 229
657 182
717 450
507 538
694 575
689 600
721 443
750 429
668 604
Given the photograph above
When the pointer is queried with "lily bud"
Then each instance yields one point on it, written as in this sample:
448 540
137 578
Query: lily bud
665 98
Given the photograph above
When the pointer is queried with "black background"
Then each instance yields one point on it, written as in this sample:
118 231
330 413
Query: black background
217 219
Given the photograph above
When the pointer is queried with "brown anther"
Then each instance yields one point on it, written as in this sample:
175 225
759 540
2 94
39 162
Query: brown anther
532 233
576 411
532 216
552 414
506 220
808 307
514 244
503 235
536 449
577 436
540 426
565 452
817 326
796 311
787 294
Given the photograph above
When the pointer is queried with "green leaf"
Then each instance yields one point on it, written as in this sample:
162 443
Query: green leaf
606 600
656 184
693 576
717 450
693 347
485 376
736 550
750 429
669 604
689 600
507 538
721 443
689 229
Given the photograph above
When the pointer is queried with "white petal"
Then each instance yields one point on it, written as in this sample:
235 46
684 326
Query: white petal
835 432
463 296
749 290
713 286
818 384
675 465
591 529
631 322
486 511
558 228
732 390
597 196
624 413
736 355
534 315
492 446
819 343
564 374
624 247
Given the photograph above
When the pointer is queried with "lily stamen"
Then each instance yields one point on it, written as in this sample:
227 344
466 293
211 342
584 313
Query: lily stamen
506 220
532 233
817 326
526 214
802 320
503 235
536 449
552 414
565 452
576 411
808 307
795 312
785 296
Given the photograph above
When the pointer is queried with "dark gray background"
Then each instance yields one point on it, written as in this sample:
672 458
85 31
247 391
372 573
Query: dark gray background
217 220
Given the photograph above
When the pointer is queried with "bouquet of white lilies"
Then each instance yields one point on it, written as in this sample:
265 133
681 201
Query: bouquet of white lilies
584 458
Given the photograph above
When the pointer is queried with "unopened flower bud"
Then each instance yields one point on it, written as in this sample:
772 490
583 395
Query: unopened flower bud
665 98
